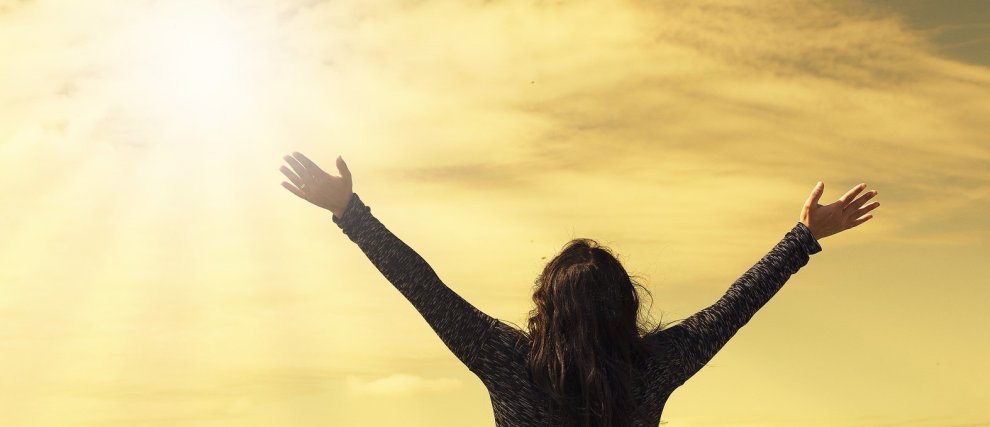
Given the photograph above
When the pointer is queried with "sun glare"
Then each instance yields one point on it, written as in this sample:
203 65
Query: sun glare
196 67
197 61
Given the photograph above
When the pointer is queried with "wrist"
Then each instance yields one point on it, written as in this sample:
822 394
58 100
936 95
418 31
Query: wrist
811 231
339 210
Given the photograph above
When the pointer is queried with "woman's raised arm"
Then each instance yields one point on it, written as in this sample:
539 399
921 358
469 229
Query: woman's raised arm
460 325
698 338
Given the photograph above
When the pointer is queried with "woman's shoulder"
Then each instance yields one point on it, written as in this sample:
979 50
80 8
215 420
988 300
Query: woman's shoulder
661 341
504 349
510 335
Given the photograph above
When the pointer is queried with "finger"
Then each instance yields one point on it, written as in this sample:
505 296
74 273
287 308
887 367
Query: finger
344 171
294 190
855 204
301 170
851 193
291 175
861 220
868 208
816 194
307 162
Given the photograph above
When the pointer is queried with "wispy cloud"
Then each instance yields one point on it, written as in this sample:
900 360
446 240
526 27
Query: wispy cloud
785 94
401 383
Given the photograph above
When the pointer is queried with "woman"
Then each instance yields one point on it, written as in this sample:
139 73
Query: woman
585 360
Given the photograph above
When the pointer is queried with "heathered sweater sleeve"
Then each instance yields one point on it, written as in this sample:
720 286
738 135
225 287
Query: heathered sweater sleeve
461 326
697 338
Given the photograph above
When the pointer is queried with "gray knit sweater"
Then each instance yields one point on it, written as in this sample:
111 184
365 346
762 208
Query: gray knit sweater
496 351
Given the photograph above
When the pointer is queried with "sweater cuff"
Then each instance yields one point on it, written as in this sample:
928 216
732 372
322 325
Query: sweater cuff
353 210
807 240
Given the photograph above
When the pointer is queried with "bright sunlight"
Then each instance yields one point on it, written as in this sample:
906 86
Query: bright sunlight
197 68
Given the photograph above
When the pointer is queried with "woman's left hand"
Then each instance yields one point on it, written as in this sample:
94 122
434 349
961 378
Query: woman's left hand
316 186
838 216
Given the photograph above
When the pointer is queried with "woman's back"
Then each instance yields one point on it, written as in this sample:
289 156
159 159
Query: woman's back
516 401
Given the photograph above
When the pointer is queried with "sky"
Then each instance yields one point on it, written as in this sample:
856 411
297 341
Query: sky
154 272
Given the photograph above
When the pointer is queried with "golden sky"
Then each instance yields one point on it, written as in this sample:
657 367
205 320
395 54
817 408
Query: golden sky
153 271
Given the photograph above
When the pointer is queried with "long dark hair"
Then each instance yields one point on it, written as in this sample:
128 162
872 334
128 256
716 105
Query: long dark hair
585 336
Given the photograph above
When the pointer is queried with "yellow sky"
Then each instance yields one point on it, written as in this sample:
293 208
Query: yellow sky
154 272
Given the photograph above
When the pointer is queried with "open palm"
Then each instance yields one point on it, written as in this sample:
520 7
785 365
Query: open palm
316 186
845 213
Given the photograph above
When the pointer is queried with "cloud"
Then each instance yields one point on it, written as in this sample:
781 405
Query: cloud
733 91
401 383
7 6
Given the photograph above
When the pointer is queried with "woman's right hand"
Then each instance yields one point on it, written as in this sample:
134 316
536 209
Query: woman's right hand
841 215
312 184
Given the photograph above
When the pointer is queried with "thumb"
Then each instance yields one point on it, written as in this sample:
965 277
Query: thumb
816 194
342 167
